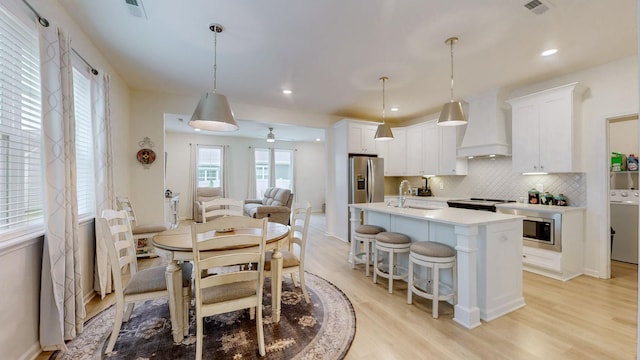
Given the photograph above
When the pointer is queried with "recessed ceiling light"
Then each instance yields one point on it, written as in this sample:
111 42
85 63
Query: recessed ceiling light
196 129
317 139
549 52
287 92
395 109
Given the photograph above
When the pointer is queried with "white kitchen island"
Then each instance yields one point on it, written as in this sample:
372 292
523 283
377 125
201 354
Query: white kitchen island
488 246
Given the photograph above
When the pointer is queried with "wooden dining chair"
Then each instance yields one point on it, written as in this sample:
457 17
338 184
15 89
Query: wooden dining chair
231 289
114 228
221 207
292 263
141 231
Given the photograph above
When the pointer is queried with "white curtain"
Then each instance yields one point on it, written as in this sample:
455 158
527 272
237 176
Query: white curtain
103 160
293 175
272 167
225 171
251 183
62 310
193 178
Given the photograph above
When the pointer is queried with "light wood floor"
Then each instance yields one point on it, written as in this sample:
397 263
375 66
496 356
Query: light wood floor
585 318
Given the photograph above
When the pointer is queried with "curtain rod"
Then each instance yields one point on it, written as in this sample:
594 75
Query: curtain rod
44 22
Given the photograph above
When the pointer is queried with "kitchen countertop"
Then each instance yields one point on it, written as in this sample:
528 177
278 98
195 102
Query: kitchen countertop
452 216
540 208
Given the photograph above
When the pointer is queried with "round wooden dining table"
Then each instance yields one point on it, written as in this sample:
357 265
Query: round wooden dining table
176 245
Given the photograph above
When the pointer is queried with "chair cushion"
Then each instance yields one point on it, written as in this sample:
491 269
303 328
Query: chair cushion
228 292
208 193
153 279
149 228
251 209
369 229
288 260
432 249
276 196
392 238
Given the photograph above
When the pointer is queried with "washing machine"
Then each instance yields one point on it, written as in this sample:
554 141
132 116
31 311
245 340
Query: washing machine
624 222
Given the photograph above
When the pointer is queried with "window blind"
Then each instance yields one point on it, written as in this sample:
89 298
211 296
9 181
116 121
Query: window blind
84 142
20 126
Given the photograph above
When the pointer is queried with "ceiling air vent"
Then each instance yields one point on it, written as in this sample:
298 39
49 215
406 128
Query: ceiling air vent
136 8
536 6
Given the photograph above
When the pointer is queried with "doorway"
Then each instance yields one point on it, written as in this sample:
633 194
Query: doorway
623 146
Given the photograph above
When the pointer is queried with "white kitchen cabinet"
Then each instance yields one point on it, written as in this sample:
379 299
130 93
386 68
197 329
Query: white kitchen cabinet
448 162
561 265
421 148
545 130
396 162
361 138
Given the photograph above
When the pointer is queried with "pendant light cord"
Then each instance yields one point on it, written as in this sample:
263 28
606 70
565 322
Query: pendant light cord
451 43
215 58
384 80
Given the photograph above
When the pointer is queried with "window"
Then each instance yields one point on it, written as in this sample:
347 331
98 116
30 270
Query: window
84 142
20 126
282 166
209 165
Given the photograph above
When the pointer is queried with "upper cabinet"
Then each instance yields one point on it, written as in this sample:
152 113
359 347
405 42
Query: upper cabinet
449 140
545 130
424 149
395 164
361 138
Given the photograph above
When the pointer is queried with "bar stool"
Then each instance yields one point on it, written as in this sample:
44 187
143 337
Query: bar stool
433 256
392 243
365 234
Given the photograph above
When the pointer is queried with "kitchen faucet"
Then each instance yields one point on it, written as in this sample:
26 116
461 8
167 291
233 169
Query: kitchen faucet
403 195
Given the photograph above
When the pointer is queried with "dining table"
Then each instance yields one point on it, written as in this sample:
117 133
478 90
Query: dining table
176 246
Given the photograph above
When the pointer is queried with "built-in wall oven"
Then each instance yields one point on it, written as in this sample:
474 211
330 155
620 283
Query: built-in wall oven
539 228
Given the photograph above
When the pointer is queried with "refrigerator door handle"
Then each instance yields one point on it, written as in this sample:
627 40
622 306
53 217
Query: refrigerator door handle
370 181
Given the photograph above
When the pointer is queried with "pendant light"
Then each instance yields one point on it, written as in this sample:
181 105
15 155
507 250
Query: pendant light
383 133
452 114
213 111
270 137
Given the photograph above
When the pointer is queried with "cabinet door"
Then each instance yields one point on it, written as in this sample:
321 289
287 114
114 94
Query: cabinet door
448 146
361 138
525 137
355 138
368 139
556 133
430 149
397 152
414 146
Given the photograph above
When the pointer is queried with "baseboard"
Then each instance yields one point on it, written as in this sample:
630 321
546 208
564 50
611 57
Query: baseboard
32 353
88 297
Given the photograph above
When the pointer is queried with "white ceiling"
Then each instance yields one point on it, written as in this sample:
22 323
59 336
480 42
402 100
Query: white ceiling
331 53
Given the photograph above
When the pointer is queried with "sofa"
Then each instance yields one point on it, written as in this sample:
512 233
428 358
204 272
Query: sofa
276 205
205 194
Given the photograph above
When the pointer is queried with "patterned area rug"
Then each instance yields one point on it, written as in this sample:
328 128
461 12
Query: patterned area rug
323 329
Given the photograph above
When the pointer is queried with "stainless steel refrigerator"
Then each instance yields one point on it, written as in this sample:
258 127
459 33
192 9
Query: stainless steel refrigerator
366 182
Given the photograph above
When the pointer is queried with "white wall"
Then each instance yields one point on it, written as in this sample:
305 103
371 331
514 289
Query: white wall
623 137
309 166
21 259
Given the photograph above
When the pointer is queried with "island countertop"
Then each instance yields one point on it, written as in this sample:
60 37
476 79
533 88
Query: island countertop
452 216
488 253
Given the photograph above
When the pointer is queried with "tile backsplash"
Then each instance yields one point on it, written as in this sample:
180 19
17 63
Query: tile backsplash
493 178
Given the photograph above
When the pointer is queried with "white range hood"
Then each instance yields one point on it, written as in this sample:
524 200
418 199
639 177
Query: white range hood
488 133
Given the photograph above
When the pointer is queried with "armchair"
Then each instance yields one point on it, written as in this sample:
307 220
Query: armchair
204 194
276 205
